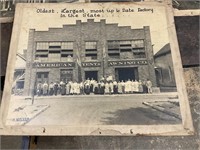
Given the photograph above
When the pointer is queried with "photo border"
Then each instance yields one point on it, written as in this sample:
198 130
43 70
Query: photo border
186 128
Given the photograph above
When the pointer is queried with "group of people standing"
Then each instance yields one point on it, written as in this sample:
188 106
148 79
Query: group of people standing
88 87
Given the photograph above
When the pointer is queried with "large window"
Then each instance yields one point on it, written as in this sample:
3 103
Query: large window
138 49
54 51
42 50
114 49
91 50
66 51
127 49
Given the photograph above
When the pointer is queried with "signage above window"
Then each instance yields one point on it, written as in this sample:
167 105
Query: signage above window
127 63
53 65
91 64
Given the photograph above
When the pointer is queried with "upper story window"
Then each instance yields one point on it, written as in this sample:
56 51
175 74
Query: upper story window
42 46
138 49
114 49
67 51
42 51
91 50
54 51
138 43
126 49
67 45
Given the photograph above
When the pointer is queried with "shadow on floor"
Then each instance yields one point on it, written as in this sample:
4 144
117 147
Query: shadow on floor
138 116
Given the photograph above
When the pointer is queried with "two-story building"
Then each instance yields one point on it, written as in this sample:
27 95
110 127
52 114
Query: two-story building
89 50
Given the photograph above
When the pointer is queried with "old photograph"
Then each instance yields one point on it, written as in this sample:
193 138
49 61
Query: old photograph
100 65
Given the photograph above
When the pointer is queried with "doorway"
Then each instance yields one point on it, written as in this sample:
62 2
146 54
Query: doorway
91 75
42 77
126 74
66 75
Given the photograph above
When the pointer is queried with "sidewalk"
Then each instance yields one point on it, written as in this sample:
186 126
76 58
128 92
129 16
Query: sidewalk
170 95
171 108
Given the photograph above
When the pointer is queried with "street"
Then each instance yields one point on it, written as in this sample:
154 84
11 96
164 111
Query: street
99 110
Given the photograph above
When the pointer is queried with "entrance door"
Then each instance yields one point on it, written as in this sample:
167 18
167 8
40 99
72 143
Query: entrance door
42 77
91 74
66 75
126 74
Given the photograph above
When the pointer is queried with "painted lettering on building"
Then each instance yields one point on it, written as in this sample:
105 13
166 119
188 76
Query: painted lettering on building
127 63
91 64
53 65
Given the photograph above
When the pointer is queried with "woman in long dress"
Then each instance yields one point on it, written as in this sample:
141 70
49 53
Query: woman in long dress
111 87
119 87
133 86
81 88
128 86
106 88
136 86
72 88
68 88
123 87
77 88
140 87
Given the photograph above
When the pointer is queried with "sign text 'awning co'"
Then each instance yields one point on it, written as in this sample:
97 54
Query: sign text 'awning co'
127 63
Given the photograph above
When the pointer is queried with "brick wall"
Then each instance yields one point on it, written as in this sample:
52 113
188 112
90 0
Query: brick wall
89 31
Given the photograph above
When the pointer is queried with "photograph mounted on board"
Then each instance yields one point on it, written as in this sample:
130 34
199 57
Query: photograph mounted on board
95 67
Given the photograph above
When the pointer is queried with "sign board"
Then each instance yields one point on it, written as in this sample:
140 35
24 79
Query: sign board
54 65
91 64
127 63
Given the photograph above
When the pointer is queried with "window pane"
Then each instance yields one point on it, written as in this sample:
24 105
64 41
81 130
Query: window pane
139 55
137 43
67 45
42 46
54 43
54 57
67 51
91 56
113 44
90 45
125 43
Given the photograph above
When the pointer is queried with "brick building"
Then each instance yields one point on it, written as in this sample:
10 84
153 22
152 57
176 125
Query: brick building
89 50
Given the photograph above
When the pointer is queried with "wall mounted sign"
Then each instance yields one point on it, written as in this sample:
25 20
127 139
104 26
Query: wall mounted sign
91 64
127 63
54 65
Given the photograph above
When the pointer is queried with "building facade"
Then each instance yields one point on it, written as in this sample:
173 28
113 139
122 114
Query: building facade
89 50
164 69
